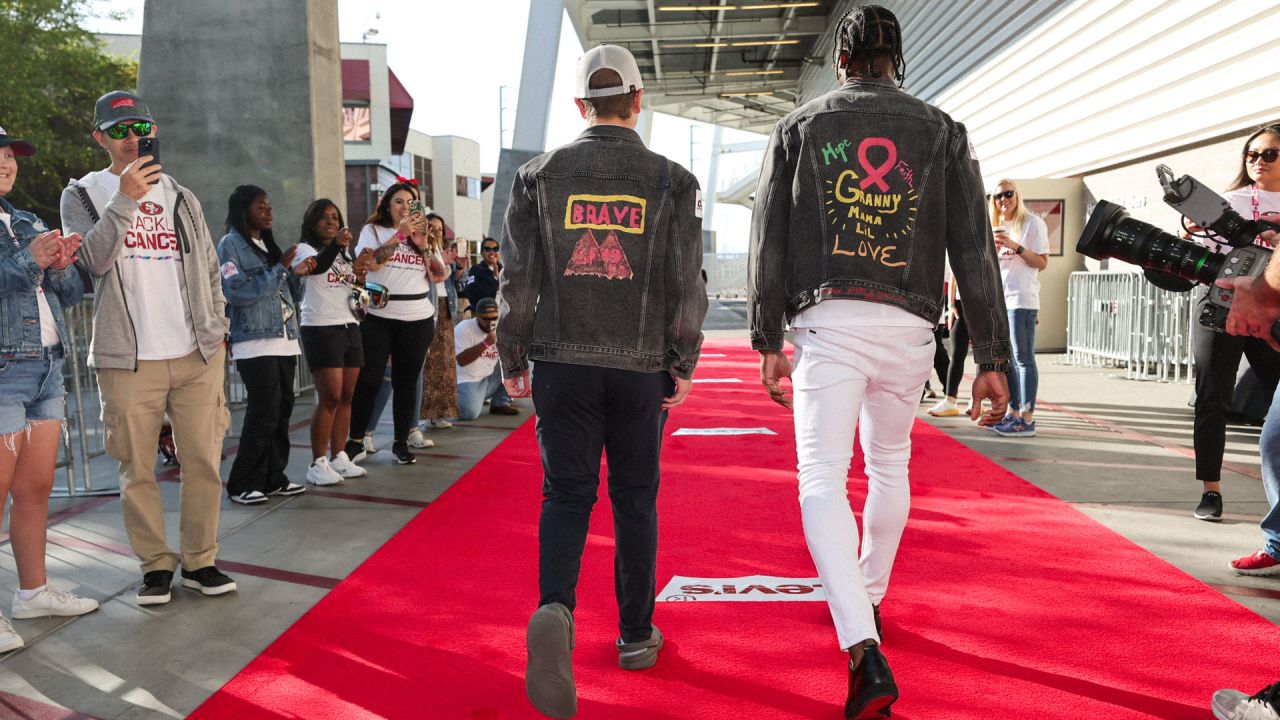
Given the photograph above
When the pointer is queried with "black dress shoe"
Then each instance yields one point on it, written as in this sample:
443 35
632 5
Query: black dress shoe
871 687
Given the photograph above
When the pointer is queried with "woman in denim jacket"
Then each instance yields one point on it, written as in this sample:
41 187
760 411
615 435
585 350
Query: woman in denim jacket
264 342
36 282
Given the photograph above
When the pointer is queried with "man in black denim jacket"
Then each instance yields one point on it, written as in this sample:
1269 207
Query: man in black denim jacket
864 193
603 287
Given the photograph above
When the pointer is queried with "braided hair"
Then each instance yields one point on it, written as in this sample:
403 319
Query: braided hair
864 33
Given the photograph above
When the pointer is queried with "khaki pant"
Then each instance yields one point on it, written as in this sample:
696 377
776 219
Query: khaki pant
133 409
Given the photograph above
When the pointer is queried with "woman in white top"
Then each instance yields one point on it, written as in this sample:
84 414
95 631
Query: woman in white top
331 340
1022 241
264 343
1254 193
402 330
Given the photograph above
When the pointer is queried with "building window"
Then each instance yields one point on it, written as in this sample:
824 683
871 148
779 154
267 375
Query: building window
468 187
422 173
356 123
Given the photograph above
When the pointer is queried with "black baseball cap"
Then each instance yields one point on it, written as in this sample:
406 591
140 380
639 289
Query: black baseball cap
486 304
21 147
117 107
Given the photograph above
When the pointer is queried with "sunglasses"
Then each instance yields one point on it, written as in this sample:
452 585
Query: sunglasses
489 248
1270 155
142 128
1006 195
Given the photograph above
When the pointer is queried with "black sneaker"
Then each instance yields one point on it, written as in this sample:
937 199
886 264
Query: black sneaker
155 588
208 580
355 450
401 452
1210 507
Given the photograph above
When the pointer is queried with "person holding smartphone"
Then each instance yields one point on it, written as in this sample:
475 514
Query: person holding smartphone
476 355
401 331
158 343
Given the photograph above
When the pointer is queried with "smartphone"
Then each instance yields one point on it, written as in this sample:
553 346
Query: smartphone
416 208
150 146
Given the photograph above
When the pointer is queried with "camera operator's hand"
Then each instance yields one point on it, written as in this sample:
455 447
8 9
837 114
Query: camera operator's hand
136 180
993 386
1255 307
775 365
1005 242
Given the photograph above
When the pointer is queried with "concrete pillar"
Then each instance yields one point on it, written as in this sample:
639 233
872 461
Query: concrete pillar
247 92
537 76
645 126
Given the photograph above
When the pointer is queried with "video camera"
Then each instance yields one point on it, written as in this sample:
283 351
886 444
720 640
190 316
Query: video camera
1172 263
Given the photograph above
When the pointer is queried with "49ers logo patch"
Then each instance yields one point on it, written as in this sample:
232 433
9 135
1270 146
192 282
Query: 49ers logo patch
622 213
150 208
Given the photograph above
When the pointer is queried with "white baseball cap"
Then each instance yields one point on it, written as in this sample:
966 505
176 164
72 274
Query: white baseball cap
608 57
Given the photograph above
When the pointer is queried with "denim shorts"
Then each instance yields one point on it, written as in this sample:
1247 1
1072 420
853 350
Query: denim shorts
31 389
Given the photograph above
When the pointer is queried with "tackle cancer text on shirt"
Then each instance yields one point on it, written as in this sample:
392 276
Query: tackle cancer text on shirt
405 273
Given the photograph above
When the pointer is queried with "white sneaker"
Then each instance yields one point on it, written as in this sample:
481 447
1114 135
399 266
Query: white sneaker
50 602
321 473
1235 705
342 465
9 638
441 424
946 407
369 447
416 440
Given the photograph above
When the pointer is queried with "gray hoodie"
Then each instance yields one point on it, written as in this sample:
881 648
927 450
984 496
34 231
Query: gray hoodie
114 343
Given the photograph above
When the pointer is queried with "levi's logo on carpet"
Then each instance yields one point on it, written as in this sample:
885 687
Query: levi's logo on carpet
753 588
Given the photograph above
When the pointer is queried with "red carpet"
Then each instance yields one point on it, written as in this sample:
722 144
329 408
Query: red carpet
1006 602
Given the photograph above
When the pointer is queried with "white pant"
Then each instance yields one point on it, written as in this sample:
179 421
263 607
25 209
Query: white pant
845 376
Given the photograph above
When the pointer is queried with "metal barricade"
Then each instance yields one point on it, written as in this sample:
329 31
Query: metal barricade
1120 319
726 274
83 441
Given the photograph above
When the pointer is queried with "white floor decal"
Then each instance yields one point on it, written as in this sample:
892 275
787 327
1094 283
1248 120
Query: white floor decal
754 588
717 380
724 431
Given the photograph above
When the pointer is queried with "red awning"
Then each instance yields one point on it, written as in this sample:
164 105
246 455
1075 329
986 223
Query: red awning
355 86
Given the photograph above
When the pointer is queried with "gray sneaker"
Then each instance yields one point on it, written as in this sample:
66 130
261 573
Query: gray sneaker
641 654
548 676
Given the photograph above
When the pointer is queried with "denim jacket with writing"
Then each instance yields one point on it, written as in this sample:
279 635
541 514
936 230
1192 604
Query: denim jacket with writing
257 292
602 259
864 192
19 278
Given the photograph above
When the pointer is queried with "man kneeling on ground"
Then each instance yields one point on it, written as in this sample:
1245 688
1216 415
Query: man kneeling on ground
479 377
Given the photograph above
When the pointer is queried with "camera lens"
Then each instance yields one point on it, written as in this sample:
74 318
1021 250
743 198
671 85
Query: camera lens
1111 233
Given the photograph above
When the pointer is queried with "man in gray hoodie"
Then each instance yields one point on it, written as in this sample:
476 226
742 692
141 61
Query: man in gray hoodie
158 343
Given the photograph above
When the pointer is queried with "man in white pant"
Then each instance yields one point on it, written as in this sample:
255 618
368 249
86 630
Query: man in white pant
863 193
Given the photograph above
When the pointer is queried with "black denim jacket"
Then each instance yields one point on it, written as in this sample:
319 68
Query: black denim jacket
602 259
863 194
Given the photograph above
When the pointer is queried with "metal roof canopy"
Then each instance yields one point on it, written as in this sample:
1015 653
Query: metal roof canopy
735 63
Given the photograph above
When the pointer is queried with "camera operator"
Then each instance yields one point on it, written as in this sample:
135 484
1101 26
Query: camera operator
1255 190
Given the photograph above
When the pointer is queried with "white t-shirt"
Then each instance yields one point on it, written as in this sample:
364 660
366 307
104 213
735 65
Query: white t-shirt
265 347
325 296
1021 281
1241 200
405 273
48 325
150 267
846 312
467 334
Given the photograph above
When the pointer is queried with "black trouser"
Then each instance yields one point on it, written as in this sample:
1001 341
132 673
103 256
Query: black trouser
264 439
959 352
940 359
583 411
1217 362
405 342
